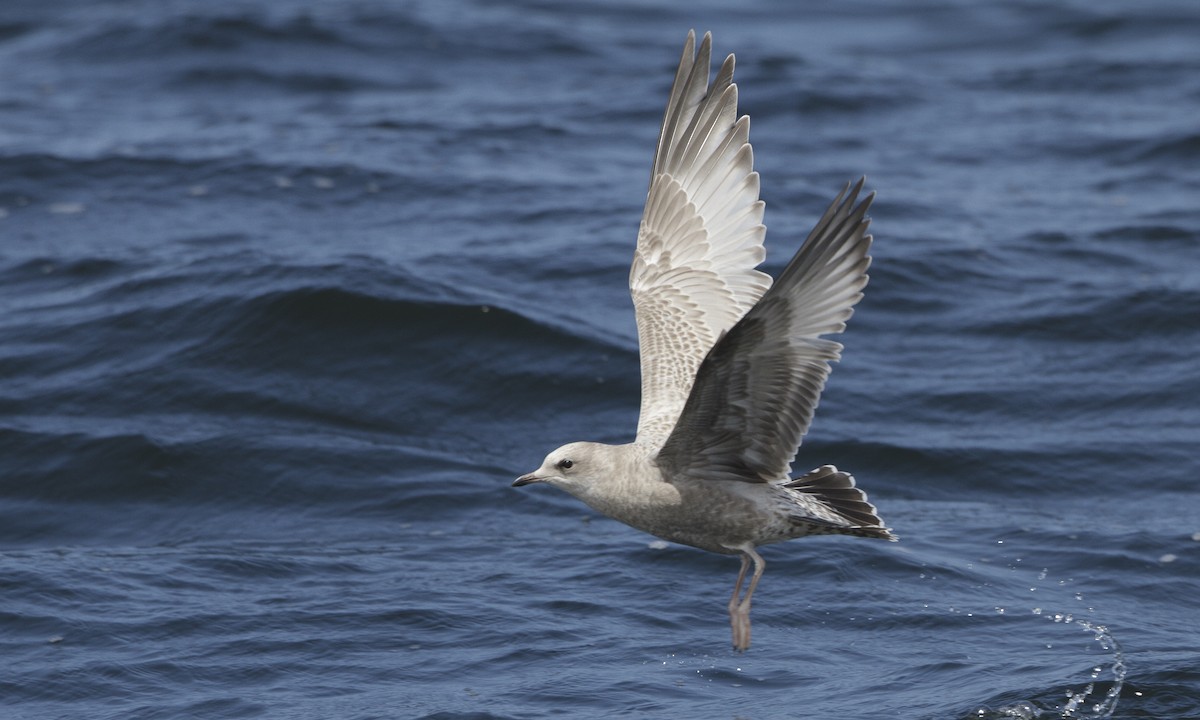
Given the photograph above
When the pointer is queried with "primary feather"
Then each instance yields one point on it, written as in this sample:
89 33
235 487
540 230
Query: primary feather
700 240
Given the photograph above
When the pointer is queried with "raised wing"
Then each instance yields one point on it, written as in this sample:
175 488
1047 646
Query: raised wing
701 237
756 391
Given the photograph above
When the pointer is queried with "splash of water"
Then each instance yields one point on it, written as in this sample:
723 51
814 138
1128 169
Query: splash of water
1077 706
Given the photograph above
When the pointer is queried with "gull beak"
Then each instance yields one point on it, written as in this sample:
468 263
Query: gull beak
526 479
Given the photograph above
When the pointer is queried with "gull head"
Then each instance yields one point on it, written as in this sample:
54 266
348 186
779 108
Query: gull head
579 468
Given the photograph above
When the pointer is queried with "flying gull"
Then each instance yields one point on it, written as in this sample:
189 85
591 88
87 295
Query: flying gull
732 365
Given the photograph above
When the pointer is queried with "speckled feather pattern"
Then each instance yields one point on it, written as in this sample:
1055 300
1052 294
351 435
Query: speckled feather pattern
693 274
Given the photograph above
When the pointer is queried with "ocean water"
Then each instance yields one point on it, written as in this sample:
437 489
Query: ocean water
290 292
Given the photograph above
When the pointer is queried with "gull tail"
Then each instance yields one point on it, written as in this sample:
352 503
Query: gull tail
837 492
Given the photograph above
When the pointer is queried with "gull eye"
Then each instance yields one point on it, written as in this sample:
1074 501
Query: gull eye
566 464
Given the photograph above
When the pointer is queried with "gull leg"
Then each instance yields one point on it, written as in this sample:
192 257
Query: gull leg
733 605
739 616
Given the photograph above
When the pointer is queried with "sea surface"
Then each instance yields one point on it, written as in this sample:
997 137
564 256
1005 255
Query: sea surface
290 292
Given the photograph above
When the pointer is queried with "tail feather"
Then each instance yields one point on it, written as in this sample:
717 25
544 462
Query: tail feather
836 490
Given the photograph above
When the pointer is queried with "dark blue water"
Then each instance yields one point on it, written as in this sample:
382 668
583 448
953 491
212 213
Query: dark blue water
289 295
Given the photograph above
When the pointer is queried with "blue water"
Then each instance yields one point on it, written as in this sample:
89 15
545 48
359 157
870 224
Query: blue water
290 292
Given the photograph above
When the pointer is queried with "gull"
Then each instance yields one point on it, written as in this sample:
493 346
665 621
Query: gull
732 364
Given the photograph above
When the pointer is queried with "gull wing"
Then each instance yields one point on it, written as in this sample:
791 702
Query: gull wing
756 391
700 240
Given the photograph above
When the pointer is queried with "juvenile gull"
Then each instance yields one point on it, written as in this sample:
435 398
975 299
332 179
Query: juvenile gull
732 365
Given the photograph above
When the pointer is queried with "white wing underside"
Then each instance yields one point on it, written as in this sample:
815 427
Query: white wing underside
701 238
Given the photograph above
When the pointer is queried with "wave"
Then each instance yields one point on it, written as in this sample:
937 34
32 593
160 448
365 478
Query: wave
190 34
1085 76
355 37
42 179
353 348
1177 147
